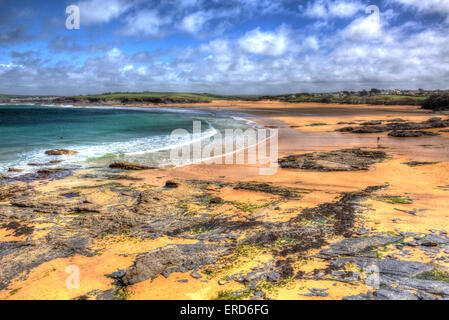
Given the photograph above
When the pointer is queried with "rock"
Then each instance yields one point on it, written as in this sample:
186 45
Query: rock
354 246
46 172
60 152
411 134
394 294
196 275
172 258
340 160
128 166
392 268
10 190
222 282
259 294
397 120
118 275
360 297
435 287
15 170
55 162
171 184
35 164
419 163
151 264
216 200
433 240
317 293
286 192
398 125
371 123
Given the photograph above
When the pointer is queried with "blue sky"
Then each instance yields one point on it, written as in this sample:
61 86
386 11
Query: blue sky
228 47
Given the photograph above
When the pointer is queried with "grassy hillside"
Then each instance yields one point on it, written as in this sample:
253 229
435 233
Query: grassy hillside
375 100
156 95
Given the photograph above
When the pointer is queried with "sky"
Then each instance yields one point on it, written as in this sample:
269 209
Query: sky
225 47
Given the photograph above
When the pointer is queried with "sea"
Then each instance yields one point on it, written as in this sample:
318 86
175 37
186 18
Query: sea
101 135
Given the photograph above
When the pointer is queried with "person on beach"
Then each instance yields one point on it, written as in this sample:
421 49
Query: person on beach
378 140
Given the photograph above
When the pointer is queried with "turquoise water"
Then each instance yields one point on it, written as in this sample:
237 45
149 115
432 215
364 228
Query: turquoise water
98 134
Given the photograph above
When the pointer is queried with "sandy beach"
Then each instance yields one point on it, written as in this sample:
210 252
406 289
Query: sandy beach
249 236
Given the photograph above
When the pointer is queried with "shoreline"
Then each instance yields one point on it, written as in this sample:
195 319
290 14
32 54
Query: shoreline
245 206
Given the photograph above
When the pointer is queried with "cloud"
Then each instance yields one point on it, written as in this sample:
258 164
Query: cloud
267 43
195 22
327 9
102 11
353 53
145 22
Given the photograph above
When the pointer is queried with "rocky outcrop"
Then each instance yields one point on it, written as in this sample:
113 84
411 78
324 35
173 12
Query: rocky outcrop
60 152
354 246
340 160
285 192
8 191
411 134
171 184
129 166
172 258
432 123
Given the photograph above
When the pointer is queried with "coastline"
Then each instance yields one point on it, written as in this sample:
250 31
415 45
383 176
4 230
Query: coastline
302 129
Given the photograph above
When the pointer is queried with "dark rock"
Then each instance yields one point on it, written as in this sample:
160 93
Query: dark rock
360 297
15 170
60 152
435 287
404 269
433 240
128 166
411 134
10 190
340 160
55 162
354 246
171 184
173 258
394 294
216 200
419 163
371 123
286 192
46 172
118 275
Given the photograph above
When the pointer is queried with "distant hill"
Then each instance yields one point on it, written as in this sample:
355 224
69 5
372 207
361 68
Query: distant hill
149 97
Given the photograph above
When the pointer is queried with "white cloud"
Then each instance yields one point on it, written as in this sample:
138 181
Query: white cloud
114 53
102 11
127 68
266 43
146 22
364 28
195 22
326 9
